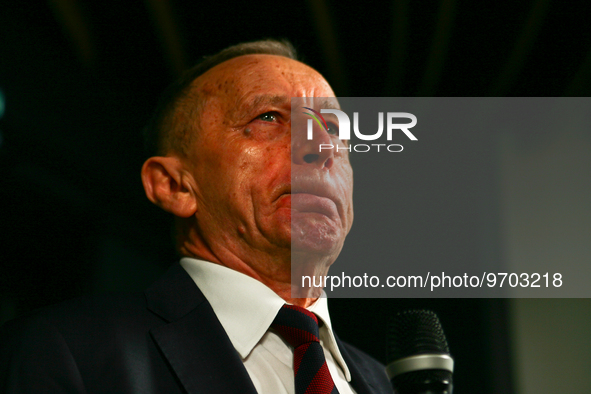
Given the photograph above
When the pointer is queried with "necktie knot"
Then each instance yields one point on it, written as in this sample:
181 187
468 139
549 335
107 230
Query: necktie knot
296 325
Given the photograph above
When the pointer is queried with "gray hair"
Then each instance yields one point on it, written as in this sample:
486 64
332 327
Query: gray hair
165 133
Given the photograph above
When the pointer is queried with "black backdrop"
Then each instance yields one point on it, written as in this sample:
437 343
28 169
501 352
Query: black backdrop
80 78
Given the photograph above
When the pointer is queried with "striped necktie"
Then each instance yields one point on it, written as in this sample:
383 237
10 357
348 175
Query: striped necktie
299 327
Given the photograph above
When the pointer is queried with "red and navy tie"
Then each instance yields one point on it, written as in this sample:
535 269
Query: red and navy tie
299 327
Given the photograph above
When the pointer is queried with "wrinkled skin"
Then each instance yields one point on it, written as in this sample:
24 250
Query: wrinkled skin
238 172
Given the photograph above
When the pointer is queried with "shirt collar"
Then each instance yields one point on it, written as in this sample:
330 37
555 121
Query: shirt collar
246 307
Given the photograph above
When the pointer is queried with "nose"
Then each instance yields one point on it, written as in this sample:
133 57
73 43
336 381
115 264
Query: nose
318 151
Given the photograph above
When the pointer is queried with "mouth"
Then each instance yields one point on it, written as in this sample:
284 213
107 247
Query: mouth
304 203
308 196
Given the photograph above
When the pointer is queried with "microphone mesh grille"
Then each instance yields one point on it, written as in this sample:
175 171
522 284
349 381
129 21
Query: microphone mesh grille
415 332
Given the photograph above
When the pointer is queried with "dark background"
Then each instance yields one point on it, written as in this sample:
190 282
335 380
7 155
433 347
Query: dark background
79 80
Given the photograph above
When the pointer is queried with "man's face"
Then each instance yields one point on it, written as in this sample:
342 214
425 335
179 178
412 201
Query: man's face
243 161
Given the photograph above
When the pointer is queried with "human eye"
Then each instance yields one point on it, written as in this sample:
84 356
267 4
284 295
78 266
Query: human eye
332 128
268 117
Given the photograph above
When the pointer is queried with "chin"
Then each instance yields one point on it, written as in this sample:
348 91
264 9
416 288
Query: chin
319 239
311 259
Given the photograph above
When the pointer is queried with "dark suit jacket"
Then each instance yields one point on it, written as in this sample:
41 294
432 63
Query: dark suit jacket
167 340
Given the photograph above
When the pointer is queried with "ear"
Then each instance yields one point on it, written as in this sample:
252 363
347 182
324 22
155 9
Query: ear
169 186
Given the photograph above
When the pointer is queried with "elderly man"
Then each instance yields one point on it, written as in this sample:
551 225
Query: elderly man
223 320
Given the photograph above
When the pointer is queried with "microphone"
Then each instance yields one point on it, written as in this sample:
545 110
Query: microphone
418 356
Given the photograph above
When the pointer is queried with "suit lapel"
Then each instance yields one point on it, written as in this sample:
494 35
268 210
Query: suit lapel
193 341
359 371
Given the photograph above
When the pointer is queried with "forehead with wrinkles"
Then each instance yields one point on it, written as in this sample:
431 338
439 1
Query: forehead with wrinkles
224 77
260 77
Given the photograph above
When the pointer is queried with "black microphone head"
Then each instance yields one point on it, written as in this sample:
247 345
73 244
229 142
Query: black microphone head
418 354
415 332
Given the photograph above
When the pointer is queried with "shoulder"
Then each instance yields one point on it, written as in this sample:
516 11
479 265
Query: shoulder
59 344
90 311
86 319
82 321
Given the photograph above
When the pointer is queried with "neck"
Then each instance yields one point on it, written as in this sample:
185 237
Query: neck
273 272
283 288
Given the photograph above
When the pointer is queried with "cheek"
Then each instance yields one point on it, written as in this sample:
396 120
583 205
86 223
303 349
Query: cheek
250 174
261 158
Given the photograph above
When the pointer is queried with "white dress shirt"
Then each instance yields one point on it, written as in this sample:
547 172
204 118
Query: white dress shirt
246 308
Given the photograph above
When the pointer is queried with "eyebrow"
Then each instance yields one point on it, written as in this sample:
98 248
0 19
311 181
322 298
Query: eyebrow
270 99
245 108
330 104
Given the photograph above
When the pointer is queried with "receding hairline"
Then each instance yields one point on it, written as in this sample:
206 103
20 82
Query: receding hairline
200 80
164 134
209 84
